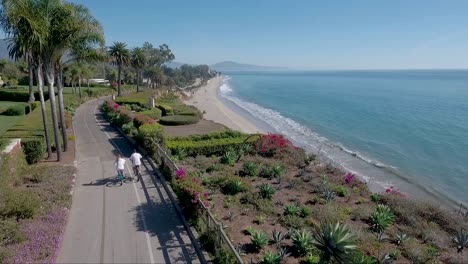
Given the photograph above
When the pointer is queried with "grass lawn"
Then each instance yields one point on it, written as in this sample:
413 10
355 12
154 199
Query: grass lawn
8 121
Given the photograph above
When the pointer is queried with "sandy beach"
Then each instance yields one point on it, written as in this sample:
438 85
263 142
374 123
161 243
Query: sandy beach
206 99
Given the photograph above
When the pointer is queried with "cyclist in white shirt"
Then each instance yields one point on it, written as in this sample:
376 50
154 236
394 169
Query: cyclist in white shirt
136 162
120 165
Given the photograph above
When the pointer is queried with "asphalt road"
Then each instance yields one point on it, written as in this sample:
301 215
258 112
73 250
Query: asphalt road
109 223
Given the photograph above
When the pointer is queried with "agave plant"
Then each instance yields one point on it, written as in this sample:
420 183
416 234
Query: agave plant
278 237
277 170
335 241
271 258
291 209
328 195
400 238
305 212
302 241
284 253
229 158
360 258
381 219
251 169
290 185
461 240
249 230
259 239
266 191
231 216
233 187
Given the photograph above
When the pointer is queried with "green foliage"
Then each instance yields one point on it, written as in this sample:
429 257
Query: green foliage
233 186
376 198
461 240
140 120
271 258
305 212
251 169
16 110
360 258
266 191
229 158
149 135
154 113
10 232
20 205
249 230
179 120
341 191
208 147
259 239
34 149
272 171
381 219
19 96
335 241
278 237
312 259
302 241
259 219
417 252
165 110
291 209
292 221
213 135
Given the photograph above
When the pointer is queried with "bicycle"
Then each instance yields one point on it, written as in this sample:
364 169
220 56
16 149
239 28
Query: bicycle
121 176
136 171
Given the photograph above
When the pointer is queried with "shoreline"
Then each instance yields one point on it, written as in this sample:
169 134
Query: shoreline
221 110
207 100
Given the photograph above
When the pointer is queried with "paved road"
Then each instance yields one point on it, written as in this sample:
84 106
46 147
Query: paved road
109 223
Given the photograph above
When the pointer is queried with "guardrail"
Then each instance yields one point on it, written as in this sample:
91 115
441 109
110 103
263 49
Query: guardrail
213 227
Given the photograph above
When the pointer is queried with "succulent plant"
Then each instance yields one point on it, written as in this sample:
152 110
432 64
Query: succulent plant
231 216
302 241
271 258
249 230
381 219
259 239
290 185
291 209
284 253
329 195
400 238
251 169
305 212
335 241
278 237
266 191
229 158
461 240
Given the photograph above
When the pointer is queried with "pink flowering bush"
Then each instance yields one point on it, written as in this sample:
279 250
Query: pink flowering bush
189 189
349 178
277 146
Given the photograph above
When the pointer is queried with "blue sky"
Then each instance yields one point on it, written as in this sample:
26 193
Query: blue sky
301 34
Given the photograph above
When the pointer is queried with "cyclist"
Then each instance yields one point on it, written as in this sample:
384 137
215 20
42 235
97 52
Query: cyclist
136 162
120 165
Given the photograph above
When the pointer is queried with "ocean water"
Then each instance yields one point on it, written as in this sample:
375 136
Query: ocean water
407 129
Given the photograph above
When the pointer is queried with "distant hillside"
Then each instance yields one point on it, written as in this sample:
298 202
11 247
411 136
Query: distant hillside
174 64
4 49
234 66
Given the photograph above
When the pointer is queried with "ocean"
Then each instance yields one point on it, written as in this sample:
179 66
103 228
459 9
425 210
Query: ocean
407 129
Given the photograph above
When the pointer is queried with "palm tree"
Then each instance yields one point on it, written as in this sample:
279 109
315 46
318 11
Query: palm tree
335 241
26 26
120 56
138 61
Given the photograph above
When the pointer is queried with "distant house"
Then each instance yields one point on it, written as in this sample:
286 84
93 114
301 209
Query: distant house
100 81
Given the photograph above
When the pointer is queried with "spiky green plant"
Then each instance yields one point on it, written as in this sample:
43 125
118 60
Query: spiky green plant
277 170
259 239
335 241
278 237
291 209
266 191
249 230
461 240
381 219
305 212
284 253
360 258
229 158
271 258
400 238
302 241
251 169
233 187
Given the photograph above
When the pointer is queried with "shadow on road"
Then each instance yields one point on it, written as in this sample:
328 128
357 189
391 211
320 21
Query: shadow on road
108 182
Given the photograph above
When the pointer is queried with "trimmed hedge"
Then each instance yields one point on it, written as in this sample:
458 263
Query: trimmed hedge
154 113
19 96
179 120
214 146
149 135
187 110
213 135
34 149
124 100
16 110
166 109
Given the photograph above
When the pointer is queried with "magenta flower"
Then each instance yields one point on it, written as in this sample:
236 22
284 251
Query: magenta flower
349 177
181 174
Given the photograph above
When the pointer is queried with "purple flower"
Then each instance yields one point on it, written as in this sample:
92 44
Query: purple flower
349 177
181 174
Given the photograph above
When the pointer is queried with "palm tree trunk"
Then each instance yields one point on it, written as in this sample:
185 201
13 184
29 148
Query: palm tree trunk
40 85
79 86
62 108
138 81
51 80
89 90
31 82
119 93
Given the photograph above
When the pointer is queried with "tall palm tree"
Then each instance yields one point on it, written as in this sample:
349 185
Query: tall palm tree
27 28
138 61
120 56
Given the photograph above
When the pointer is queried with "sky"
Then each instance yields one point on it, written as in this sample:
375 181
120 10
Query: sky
299 34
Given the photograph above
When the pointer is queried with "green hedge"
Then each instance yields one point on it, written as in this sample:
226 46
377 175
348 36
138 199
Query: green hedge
130 101
34 149
187 110
179 120
19 95
213 135
154 113
165 109
149 135
214 146
16 110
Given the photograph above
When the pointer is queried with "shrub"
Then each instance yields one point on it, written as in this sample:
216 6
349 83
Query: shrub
381 219
229 158
208 147
149 135
187 110
213 135
33 149
305 212
292 221
20 205
249 230
341 191
15 110
312 259
334 241
266 191
250 169
140 120
259 239
154 113
291 209
271 258
178 120
417 252
166 110
10 232
271 144
302 241
233 186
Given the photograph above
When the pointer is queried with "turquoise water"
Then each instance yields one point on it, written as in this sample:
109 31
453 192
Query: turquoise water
407 129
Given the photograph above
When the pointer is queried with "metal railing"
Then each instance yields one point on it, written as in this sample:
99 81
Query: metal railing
213 227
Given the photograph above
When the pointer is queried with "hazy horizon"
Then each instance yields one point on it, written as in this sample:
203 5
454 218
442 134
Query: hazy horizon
304 35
